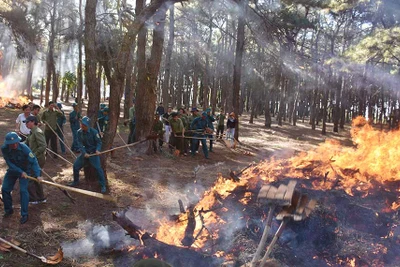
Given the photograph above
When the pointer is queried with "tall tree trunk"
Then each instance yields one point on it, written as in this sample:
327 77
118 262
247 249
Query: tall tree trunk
80 70
128 87
92 82
50 55
146 96
168 55
237 69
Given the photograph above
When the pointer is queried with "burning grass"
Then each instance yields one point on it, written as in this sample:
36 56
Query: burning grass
361 171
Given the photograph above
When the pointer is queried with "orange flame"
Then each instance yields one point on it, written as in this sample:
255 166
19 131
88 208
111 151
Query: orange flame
8 95
371 161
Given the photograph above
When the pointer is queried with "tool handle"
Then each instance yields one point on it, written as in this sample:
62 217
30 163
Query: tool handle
73 189
13 246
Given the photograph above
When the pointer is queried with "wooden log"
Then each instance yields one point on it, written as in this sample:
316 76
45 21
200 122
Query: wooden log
176 256
188 240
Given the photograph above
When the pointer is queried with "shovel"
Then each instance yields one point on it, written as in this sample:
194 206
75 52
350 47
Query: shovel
53 260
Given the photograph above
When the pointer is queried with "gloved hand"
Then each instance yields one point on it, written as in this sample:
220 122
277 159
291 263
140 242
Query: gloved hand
23 175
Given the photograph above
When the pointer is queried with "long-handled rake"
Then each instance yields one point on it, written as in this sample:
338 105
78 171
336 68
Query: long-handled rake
52 260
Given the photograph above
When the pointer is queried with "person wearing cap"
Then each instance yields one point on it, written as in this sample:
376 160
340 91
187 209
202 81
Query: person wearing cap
60 128
200 125
90 144
74 120
221 124
210 119
102 124
230 128
21 162
20 128
49 118
37 143
177 132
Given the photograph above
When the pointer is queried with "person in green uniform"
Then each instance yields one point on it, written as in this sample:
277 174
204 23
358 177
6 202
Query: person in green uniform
49 117
177 132
37 143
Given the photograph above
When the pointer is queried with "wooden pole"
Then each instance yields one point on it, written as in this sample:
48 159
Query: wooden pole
51 151
73 189
47 124
119 147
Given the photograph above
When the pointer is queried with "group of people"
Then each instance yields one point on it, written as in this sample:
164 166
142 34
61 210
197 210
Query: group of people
24 151
185 132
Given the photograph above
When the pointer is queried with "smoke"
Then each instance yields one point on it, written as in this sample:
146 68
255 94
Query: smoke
99 238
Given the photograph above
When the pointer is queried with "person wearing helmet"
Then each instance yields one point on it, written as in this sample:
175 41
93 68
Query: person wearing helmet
74 120
21 162
90 143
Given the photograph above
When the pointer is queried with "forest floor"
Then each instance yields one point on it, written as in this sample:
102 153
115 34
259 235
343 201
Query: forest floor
147 183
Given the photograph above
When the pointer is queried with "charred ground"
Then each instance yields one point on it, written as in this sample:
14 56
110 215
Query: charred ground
149 183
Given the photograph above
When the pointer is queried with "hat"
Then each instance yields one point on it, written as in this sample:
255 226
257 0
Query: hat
174 114
59 105
106 109
12 138
208 110
31 118
86 121
102 105
194 109
204 114
74 104
51 102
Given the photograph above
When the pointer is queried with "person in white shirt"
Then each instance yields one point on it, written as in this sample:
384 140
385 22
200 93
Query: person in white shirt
20 127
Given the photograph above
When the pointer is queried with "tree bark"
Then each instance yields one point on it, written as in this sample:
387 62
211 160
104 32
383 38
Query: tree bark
92 82
146 96
237 69
167 73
